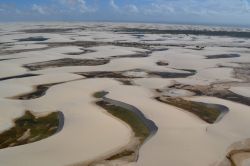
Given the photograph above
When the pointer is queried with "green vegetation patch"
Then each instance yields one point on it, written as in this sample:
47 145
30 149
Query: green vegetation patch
140 129
64 63
29 128
40 90
122 154
202 110
100 94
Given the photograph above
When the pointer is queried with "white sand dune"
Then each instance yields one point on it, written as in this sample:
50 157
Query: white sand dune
84 122
90 133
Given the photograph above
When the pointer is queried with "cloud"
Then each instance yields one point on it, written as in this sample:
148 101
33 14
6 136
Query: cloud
141 10
246 5
132 8
163 8
39 9
113 5
79 5
7 7
197 7
126 9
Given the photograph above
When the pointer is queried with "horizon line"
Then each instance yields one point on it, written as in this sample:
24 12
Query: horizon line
131 21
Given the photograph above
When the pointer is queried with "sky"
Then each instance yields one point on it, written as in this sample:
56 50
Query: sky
218 12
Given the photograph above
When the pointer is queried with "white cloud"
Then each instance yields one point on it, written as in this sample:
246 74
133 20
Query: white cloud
197 7
212 10
155 8
80 5
246 5
113 5
39 9
7 7
132 8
